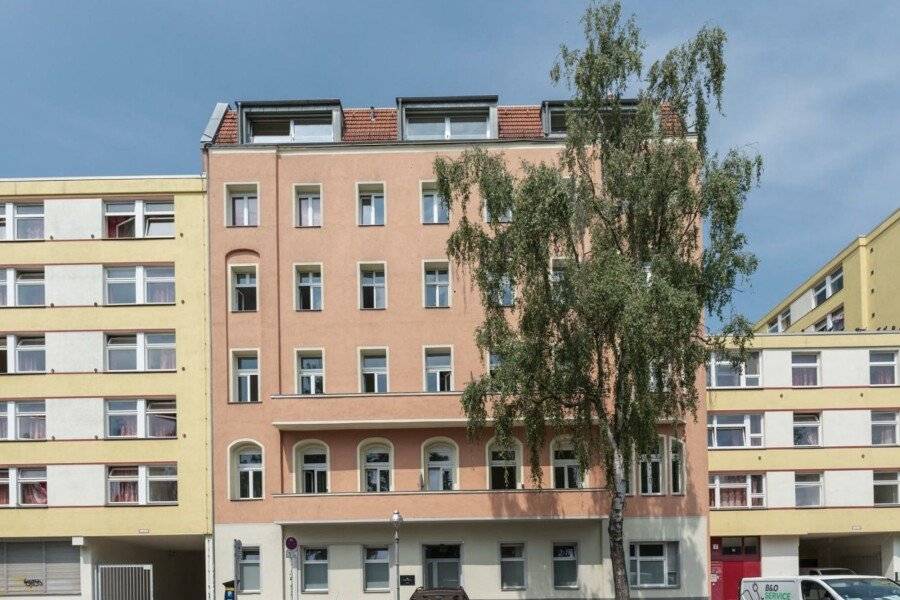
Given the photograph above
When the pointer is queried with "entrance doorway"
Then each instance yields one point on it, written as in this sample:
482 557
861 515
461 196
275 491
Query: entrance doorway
733 558
442 566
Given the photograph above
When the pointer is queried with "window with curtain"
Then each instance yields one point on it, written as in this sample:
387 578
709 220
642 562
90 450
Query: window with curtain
882 367
376 468
31 355
159 285
32 486
804 369
440 467
885 428
123 485
31 420
160 351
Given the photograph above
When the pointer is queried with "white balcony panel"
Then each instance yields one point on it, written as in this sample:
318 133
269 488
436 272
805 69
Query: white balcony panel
76 485
73 219
74 285
74 351
74 418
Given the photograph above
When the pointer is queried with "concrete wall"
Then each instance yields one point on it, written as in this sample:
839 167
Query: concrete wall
73 218
780 489
779 555
74 351
848 488
75 418
846 427
76 485
73 285
779 429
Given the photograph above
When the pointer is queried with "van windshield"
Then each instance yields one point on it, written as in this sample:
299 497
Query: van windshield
865 589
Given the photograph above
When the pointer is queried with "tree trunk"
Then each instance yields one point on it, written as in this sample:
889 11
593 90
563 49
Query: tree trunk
616 535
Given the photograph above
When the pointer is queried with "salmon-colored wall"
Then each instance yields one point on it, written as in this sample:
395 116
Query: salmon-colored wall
276 329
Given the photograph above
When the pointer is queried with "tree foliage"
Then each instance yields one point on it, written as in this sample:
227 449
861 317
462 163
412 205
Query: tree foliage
609 343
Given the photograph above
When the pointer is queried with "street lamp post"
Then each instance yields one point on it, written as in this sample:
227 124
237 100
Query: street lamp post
397 521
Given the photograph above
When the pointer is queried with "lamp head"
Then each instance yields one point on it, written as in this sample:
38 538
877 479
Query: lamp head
396 519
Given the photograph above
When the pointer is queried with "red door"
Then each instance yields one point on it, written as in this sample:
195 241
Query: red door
733 558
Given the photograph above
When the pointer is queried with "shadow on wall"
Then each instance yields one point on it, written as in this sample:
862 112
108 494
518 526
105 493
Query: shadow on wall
176 574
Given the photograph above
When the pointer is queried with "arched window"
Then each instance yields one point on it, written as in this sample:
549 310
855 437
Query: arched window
248 472
313 473
376 461
566 471
504 467
440 467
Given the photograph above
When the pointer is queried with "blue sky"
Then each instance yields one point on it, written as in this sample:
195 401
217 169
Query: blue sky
101 88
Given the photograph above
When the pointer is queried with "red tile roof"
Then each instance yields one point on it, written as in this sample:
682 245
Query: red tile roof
227 133
519 122
370 125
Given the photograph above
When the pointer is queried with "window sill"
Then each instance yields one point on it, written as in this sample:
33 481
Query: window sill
654 587
240 312
565 587
246 499
368 225
378 591
441 223
307 226
317 310
123 438
437 307
127 304
242 226
236 403
372 309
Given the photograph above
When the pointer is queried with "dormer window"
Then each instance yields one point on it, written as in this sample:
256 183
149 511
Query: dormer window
448 118
315 127
557 121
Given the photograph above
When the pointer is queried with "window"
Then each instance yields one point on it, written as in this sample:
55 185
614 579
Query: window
557 121
29 221
494 362
437 285
249 473
123 484
376 468
505 294
804 369
5 296
246 377
565 565
462 125
31 355
435 209
5 498
31 420
5 366
438 370
140 352
808 489
512 566
121 285
676 466
4 230
734 431
373 291
651 471
723 373
309 206
373 372
653 564
886 488
832 284
371 204
32 483
159 285
504 467
314 126
833 321
781 322
737 491
314 470
122 418
882 367
440 467
40 569
161 420
315 569
442 566
120 220
885 428
566 470
376 569
141 419
505 215
139 218
311 373
558 269
243 210
309 287
121 352
249 570
30 288
243 293
807 429
160 351
140 285
162 484
159 219
5 420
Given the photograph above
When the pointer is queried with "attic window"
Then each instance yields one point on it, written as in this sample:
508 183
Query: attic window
314 127
557 121
462 125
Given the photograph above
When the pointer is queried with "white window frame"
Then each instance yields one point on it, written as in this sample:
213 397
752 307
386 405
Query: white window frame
15 344
242 269
716 485
554 560
888 479
374 267
636 559
820 485
7 286
254 471
806 423
829 321
745 380
21 480
312 192
437 371
144 212
241 216
377 466
447 116
712 424
140 281
371 190
142 478
428 189
518 559
314 375
386 370
431 291
7 480
376 561
562 444
143 410
883 421
142 347
450 466
676 470
305 562
301 269
312 447
806 366
238 374
505 463
880 363
649 483
827 285
12 219
28 283
10 412
244 561
781 322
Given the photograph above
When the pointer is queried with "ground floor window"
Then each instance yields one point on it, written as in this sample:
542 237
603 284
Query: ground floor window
31 568
565 565
376 569
442 566
512 566
315 569
248 575
653 564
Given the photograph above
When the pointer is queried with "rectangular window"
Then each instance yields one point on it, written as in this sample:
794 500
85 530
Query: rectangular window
122 418
376 569
557 121
29 221
139 218
654 564
123 485
311 375
160 351
781 322
437 285
737 491
435 209
373 288
315 570
249 570
734 430
243 210
494 362
442 566
5 497
122 352
246 377
5 366
162 484
31 354
826 288
512 566
5 296
161 419
887 488
808 489
565 566
5 421
651 471
141 419
159 219
309 206
438 370
374 371
722 372
120 218
371 204
159 285
309 287
676 466
140 285
807 429
463 125
31 421
121 285
885 428
833 321
804 369
882 367
243 292
505 293
30 287
32 486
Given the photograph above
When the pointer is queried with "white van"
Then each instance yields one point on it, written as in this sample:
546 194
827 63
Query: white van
819 587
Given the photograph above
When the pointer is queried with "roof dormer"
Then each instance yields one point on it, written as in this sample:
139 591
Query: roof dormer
447 118
290 121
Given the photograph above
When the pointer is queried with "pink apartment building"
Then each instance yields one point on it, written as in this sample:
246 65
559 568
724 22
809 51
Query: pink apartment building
341 338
